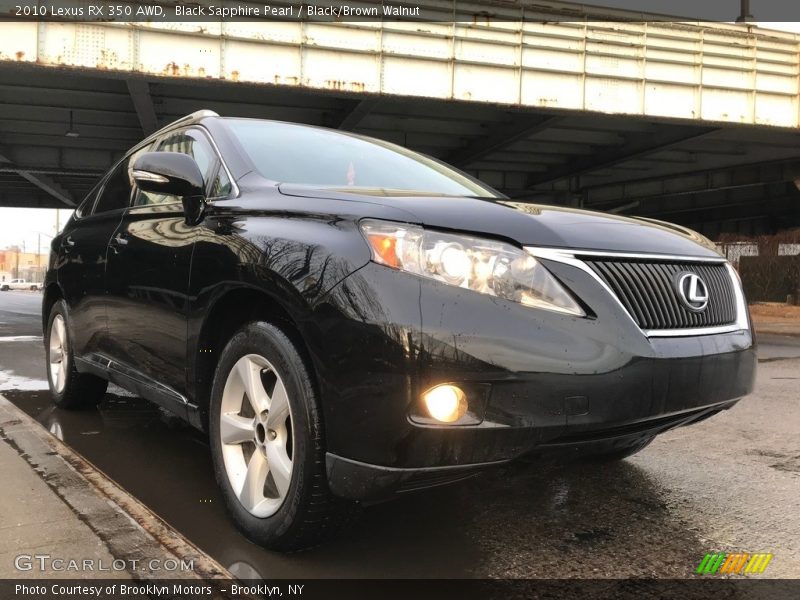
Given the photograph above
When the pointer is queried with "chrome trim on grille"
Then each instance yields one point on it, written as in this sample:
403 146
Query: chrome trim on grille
642 255
570 257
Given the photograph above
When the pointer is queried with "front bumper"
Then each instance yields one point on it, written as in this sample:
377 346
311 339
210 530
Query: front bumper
552 381
361 481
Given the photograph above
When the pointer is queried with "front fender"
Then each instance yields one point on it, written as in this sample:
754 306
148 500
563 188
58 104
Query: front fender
300 257
243 259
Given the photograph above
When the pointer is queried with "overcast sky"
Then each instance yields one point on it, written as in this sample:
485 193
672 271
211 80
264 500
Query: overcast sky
20 226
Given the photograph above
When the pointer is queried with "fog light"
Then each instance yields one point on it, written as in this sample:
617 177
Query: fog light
445 403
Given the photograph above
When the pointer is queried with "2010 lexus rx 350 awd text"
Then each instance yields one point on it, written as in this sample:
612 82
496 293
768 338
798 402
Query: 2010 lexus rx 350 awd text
348 319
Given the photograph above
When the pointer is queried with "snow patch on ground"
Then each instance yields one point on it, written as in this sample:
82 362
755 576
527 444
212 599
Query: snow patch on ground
9 381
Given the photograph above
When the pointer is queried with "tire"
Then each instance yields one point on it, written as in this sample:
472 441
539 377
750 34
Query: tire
5 288
68 388
620 454
280 511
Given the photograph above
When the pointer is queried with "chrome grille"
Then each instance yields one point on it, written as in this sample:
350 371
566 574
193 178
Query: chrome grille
647 290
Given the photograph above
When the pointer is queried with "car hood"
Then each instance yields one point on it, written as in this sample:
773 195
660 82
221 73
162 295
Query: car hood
525 223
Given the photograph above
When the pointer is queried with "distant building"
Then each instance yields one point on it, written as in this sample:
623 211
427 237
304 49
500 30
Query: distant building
15 264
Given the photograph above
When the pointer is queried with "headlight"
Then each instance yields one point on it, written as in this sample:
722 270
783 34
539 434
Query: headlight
484 266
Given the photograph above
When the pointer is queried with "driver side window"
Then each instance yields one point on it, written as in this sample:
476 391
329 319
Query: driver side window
196 145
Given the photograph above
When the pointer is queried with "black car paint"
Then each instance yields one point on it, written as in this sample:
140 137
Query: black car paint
78 256
178 173
141 283
147 278
526 224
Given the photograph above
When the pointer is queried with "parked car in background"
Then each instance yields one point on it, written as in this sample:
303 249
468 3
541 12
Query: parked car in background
348 319
19 284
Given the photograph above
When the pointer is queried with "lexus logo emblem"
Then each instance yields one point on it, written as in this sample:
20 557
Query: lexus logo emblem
692 291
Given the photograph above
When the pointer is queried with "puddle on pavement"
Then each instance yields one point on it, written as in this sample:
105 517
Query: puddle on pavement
167 466
525 521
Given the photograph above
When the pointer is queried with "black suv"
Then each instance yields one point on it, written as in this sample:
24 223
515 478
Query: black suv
349 319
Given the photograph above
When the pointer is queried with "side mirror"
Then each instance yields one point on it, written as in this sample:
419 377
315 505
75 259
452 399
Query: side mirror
168 173
175 174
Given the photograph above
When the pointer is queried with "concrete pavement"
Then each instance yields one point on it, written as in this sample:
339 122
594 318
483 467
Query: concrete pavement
37 521
64 518
20 314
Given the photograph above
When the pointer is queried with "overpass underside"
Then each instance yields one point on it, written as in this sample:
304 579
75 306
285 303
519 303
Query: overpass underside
691 123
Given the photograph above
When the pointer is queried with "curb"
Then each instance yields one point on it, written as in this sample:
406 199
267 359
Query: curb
778 332
126 527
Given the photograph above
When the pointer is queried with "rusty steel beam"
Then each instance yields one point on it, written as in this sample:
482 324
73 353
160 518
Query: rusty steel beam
501 137
357 114
43 182
139 91
636 145
695 182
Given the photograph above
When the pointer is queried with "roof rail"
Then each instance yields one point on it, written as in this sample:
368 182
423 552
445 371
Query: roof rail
192 118
202 113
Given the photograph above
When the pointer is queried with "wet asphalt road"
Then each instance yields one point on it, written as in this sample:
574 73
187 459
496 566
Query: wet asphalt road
731 483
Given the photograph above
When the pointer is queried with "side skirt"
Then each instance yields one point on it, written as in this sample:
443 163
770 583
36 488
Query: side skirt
140 384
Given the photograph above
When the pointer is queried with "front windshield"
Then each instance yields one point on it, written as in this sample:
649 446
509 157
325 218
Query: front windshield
289 153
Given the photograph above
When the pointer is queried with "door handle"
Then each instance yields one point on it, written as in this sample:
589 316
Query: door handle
118 242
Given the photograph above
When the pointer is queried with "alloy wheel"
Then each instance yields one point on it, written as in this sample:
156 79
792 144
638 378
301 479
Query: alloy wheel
256 435
57 353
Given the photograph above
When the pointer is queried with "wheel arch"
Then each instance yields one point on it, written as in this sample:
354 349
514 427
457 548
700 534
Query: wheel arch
52 294
230 311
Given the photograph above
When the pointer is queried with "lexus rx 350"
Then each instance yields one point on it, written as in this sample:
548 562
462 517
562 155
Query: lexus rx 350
348 319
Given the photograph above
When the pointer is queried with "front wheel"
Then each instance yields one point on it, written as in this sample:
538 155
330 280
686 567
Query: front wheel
266 441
